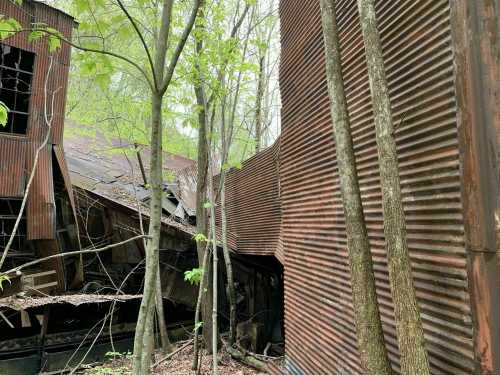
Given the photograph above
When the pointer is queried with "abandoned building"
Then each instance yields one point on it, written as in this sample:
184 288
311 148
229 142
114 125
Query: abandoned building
441 59
284 207
30 78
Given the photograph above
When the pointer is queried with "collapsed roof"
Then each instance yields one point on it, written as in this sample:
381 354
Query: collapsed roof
117 170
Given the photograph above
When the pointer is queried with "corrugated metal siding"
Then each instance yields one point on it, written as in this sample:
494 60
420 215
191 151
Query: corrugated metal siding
21 153
12 163
273 369
63 167
39 12
419 61
253 207
41 202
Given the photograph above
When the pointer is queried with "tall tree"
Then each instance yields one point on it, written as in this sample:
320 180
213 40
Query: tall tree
202 184
408 323
162 77
374 359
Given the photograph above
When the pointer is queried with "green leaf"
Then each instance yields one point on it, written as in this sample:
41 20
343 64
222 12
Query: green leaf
4 278
4 114
207 205
8 27
193 276
200 237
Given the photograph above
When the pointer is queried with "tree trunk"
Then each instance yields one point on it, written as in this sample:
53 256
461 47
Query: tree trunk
408 323
226 136
144 328
162 325
215 259
227 259
201 287
142 354
374 359
201 187
258 104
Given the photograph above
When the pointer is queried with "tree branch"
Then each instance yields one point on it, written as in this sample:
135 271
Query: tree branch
78 252
92 50
180 46
143 41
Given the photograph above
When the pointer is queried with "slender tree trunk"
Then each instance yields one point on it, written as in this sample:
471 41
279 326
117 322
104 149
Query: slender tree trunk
374 359
144 329
226 133
201 287
143 335
215 260
258 104
227 260
408 323
162 325
202 181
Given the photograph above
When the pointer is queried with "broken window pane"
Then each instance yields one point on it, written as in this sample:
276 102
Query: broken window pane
16 73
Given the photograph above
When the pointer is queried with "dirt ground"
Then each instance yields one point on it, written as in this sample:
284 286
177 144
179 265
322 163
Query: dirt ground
179 364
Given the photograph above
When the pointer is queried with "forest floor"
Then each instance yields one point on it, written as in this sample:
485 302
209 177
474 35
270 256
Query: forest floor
179 364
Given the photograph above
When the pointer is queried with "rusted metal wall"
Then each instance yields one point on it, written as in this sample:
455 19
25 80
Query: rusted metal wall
253 206
12 164
423 59
13 172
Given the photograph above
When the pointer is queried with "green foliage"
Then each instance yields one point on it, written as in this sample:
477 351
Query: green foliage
197 326
4 278
200 237
8 27
42 30
4 114
208 205
194 276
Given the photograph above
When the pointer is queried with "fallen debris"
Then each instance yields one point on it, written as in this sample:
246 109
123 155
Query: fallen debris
178 364
23 303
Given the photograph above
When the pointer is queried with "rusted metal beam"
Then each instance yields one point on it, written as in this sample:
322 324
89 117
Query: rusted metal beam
475 39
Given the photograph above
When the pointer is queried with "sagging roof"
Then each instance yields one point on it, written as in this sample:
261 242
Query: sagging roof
111 169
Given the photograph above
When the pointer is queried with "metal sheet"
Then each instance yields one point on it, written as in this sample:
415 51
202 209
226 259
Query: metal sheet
253 205
12 163
63 167
41 215
320 333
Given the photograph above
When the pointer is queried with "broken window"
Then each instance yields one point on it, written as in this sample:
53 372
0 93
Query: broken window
16 73
9 210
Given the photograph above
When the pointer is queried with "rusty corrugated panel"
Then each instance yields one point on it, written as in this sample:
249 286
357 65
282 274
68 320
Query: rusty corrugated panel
12 163
418 53
253 207
41 214
57 84
63 167
274 369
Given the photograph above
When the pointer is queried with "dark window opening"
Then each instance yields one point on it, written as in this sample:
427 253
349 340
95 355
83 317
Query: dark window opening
16 73
19 252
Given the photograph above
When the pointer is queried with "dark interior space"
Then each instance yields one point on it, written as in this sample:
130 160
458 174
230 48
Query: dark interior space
260 303
16 74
